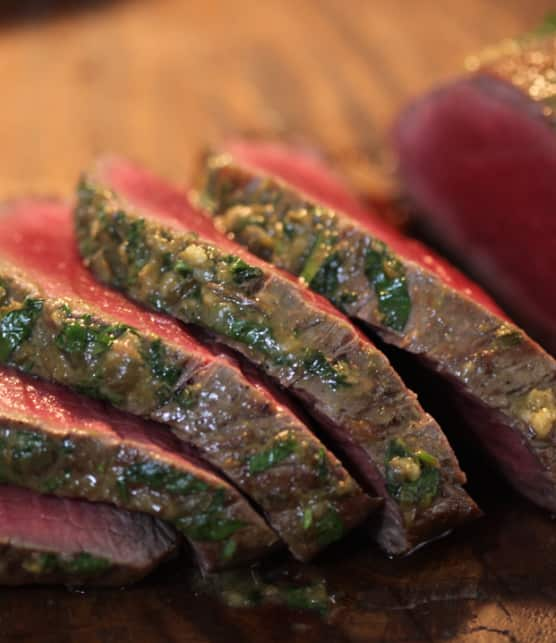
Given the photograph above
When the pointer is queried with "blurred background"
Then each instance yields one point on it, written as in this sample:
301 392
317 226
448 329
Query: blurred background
159 79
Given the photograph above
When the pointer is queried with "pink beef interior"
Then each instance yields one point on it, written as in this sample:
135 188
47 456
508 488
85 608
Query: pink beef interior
71 526
479 158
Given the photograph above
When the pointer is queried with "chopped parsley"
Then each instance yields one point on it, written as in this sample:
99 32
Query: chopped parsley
423 488
387 275
271 457
17 325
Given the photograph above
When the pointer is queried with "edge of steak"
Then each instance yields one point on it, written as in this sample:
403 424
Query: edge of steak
410 297
54 441
298 339
107 347
478 158
46 540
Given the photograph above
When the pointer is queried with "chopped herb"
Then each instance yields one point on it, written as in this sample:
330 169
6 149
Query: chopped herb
420 491
40 563
307 518
84 563
183 268
207 527
83 335
162 477
326 279
80 564
121 483
426 458
397 448
347 297
166 262
93 390
105 337
322 464
157 302
271 457
242 271
229 549
330 527
331 374
159 364
318 255
136 247
185 397
254 334
28 444
506 337
289 229
387 274
50 485
211 525
311 598
16 326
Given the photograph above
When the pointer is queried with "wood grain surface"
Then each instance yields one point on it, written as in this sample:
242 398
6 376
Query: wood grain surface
158 80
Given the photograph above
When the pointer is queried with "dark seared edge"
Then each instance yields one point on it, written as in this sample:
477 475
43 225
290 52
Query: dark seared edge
507 378
306 494
128 471
397 450
48 540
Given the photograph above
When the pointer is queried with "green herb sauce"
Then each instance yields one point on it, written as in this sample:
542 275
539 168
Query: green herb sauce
212 524
333 375
424 488
252 333
161 477
137 250
82 564
271 457
83 335
326 280
330 527
160 366
17 325
387 275
242 271
311 598
318 255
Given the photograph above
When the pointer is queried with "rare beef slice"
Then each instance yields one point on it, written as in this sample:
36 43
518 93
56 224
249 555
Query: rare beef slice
57 322
505 383
478 159
57 442
44 539
188 270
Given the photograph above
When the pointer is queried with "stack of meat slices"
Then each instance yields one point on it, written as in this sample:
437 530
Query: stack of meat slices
290 209
178 370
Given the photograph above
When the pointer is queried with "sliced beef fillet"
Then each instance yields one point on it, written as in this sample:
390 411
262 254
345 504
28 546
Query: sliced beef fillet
44 539
55 441
478 158
278 203
57 322
189 270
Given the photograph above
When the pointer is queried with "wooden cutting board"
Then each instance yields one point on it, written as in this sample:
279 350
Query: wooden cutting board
157 80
